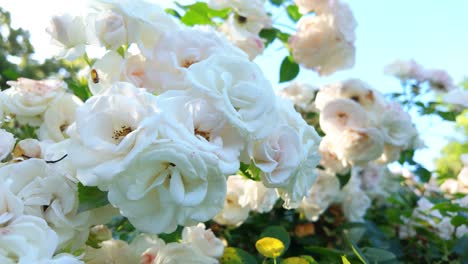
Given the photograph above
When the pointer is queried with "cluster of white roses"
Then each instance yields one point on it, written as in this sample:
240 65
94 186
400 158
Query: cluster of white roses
243 26
425 215
198 245
361 126
169 121
364 132
406 70
324 42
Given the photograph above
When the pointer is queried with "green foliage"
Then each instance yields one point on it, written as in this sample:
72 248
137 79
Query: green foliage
233 255
90 198
293 12
289 69
201 14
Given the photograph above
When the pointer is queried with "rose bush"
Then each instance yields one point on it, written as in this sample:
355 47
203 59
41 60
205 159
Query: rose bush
177 148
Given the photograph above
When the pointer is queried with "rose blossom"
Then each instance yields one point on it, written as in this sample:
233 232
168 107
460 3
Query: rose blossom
204 240
7 142
28 99
238 88
57 118
233 213
69 32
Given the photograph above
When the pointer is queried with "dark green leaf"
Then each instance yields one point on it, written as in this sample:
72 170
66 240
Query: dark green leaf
344 178
378 255
293 12
423 174
278 232
459 220
90 198
277 2
289 69
269 35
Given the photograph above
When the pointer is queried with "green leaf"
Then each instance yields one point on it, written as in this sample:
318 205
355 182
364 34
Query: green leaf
80 89
269 35
284 37
90 198
277 232
250 171
201 14
378 255
459 220
293 12
343 178
289 69
357 251
423 173
461 248
449 116
277 2
233 255
172 12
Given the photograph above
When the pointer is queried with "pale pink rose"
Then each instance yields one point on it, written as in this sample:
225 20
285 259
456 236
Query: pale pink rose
405 70
319 44
440 80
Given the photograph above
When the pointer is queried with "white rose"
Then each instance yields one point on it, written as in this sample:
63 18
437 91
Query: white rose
11 205
70 33
204 240
110 29
7 142
357 90
323 193
238 88
108 132
58 116
396 126
390 154
341 114
440 80
233 213
304 176
28 99
145 21
62 258
175 253
258 197
405 70
49 195
203 126
250 43
301 94
358 146
250 15
112 68
324 43
457 97
26 239
110 251
329 158
306 6
178 50
278 156
176 184
354 201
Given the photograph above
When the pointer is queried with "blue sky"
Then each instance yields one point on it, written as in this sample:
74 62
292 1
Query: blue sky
433 32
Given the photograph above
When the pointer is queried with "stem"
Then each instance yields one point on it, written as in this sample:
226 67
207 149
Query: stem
274 261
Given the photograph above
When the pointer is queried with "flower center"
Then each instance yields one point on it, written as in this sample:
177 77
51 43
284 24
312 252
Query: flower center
123 132
203 134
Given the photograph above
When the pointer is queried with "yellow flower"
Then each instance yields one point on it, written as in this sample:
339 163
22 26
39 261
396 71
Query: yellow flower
270 247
